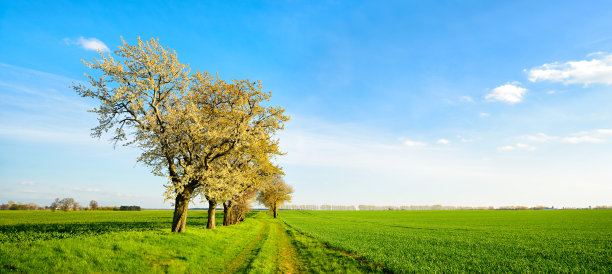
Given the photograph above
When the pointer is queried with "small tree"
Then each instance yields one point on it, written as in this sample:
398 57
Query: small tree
274 194
241 206
66 204
75 206
93 205
55 205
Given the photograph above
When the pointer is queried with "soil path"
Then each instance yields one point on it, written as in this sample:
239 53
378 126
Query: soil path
272 247
287 254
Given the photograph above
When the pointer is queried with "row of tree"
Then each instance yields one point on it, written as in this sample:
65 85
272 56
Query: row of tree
210 138
426 207
66 204
11 205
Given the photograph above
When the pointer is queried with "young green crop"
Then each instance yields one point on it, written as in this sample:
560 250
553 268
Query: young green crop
472 241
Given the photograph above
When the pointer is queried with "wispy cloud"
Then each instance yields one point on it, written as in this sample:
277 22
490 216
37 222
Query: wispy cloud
318 143
443 142
582 139
466 99
524 146
125 195
95 190
604 131
410 143
39 106
596 70
591 136
55 134
88 43
484 114
539 137
509 93
466 140
517 146
27 183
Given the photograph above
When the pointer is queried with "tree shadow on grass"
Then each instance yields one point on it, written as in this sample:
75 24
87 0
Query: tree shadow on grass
34 232
197 220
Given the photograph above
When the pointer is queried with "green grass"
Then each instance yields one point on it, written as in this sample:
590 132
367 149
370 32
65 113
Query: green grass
117 242
141 242
472 241
308 241
287 251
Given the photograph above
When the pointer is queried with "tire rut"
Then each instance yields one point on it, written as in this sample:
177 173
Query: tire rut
242 262
287 256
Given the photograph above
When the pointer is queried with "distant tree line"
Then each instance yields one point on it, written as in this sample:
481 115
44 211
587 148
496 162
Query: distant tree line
65 204
129 208
68 204
427 207
19 206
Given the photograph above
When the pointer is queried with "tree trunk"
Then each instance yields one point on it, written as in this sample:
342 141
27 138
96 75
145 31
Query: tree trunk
227 213
235 214
211 214
242 216
238 213
275 210
181 204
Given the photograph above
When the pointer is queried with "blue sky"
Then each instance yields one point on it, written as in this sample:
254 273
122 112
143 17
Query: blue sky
471 103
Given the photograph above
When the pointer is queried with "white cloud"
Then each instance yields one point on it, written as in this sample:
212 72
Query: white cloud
410 143
551 92
596 53
588 136
464 140
88 43
582 139
593 137
596 70
27 183
509 93
125 195
56 135
467 99
484 114
604 131
524 146
540 137
443 141
518 146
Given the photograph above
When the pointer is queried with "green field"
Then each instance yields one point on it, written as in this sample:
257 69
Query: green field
472 241
141 242
309 241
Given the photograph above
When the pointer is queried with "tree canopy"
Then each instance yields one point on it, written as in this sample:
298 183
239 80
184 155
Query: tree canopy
206 135
275 193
